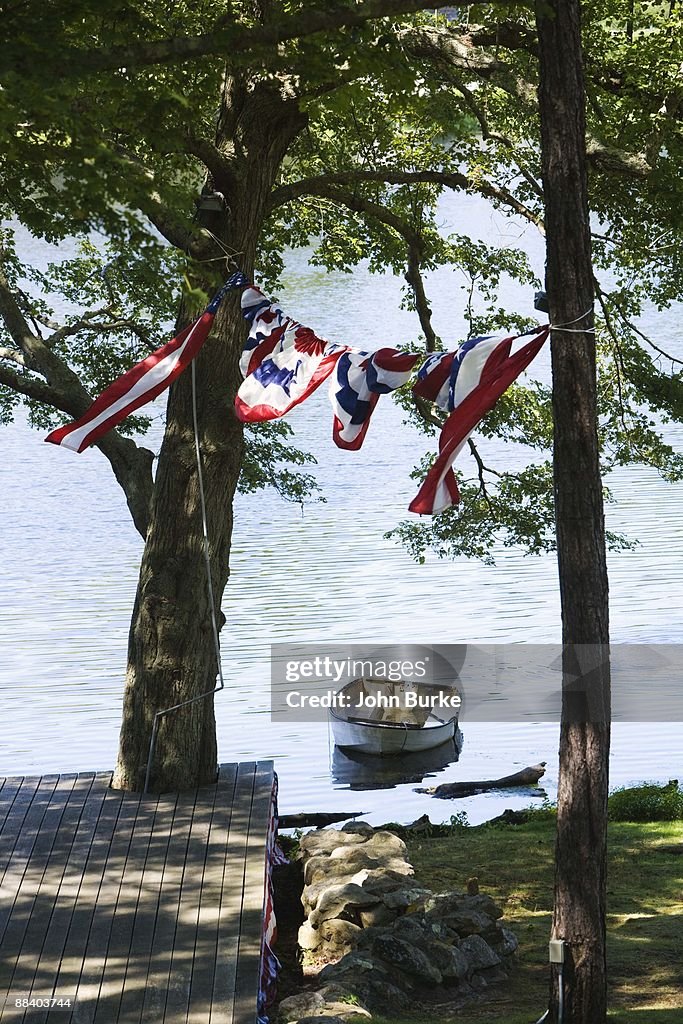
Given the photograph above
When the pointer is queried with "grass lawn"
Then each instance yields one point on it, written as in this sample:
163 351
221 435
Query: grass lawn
514 864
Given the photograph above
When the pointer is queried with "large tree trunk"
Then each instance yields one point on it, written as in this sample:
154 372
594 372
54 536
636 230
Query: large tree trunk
579 914
171 656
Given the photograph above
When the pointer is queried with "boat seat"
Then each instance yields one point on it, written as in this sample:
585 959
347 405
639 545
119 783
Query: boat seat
357 720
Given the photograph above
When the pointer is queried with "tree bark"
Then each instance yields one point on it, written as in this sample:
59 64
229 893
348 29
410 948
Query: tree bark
171 656
580 889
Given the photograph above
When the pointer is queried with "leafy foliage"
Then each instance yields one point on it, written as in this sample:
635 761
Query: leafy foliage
648 802
116 157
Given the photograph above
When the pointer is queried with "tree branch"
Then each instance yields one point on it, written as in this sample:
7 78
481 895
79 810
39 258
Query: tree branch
88 323
132 465
181 233
450 179
13 356
220 169
424 311
456 52
32 388
226 39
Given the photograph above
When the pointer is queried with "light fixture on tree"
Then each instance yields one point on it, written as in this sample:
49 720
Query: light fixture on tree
211 202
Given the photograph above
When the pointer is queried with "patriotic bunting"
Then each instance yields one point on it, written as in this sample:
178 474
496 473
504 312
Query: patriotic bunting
143 382
360 379
485 368
283 361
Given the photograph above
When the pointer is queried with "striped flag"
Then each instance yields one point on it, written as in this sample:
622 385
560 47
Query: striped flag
360 379
468 385
144 381
283 361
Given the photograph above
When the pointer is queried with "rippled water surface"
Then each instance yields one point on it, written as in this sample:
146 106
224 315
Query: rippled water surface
70 556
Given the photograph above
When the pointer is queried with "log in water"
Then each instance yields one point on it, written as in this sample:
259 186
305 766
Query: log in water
451 790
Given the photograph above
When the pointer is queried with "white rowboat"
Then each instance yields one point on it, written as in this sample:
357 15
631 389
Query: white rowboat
385 718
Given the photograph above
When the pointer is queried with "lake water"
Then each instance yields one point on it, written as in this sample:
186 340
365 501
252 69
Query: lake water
70 557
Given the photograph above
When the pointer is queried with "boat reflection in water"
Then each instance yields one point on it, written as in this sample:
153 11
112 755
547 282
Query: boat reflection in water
365 771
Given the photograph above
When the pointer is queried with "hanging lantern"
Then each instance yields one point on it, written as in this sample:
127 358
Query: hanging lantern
211 202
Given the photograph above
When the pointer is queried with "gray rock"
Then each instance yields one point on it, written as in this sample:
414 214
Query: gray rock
449 960
506 944
471 922
381 996
308 936
320 868
384 845
360 828
345 1010
341 994
408 959
382 880
411 929
467 915
351 968
321 1018
401 899
441 904
325 840
313 892
478 952
338 900
440 930
301 1005
380 914
338 937
358 857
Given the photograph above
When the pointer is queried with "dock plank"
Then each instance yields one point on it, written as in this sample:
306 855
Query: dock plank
145 910
23 821
47 893
253 898
90 979
24 877
223 993
182 960
91 886
155 1004
123 921
208 919
10 789
69 889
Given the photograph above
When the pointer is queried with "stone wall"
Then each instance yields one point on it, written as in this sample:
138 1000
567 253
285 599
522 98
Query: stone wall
383 941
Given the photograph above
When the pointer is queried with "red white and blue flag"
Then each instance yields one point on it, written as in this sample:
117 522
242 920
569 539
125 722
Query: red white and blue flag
283 362
360 379
144 381
468 384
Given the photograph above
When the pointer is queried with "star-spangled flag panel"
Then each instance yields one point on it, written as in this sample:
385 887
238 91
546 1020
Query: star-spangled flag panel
360 378
143 382
283 361
486 370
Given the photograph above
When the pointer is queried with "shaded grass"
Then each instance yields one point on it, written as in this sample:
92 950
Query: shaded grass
514 864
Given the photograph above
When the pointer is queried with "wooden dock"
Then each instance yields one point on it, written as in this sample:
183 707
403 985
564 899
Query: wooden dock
118 907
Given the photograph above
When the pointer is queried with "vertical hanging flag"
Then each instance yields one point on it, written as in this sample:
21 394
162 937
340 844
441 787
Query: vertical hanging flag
360 379
144 381
481 370
283 361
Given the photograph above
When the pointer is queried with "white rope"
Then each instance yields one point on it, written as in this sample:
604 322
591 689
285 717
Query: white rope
209 586
574 330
